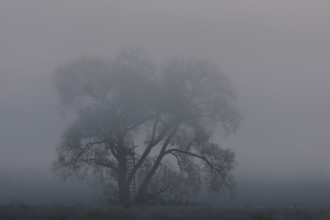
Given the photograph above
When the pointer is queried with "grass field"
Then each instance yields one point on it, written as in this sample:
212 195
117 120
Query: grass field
163 213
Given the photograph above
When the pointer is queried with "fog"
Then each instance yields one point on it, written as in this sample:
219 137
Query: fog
276 54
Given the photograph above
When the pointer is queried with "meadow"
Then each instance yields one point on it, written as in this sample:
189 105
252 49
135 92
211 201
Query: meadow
21 212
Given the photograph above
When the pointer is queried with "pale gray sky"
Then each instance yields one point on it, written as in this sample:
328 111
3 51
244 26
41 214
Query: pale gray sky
276 53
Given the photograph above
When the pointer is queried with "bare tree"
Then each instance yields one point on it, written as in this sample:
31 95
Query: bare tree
143 133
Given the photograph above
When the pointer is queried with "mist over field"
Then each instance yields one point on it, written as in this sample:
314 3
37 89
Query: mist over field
275 53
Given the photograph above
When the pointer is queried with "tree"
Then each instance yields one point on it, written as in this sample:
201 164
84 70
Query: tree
144 134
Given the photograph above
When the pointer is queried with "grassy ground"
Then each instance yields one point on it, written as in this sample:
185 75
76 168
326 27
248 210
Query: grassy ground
162 213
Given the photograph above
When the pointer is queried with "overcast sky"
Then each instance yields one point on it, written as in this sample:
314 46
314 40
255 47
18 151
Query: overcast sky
275 52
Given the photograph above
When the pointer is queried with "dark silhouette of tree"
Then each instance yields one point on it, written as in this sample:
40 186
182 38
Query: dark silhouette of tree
145 134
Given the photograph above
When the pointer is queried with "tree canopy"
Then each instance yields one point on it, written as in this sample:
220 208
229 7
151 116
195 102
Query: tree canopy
144 133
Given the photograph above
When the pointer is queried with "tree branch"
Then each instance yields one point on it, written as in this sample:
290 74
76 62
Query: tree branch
151 196
210 164
152 171
101 163
88 145
153 142
177 159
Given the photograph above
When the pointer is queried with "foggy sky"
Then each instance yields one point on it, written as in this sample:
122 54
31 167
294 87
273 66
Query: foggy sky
275 52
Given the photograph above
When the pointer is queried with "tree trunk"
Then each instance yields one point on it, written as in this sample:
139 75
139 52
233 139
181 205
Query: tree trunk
122 182
123 192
